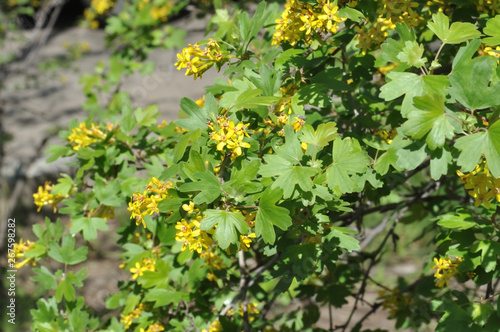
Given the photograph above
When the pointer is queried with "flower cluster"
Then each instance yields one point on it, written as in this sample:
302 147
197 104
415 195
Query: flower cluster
147 204
229 136
44 197
386 136
491 7
399 11
147 264
82 136
481 184
302 21
252 311
373 35
445 270
246 241
191 236
20 250
136 313
197 60
214 327
102 211
284 105
213 262
97 8
158 12
393 301
156 327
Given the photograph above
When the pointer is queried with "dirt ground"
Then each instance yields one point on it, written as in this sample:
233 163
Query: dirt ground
38 105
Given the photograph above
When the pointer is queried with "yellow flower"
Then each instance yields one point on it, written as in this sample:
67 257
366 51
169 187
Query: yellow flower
445 270
137 271
330 17
144 204
246 241
483 186
82 136
393 301
191 236
20 249
197 61
44 197
214 327
101 6
156 327
189 208
298 123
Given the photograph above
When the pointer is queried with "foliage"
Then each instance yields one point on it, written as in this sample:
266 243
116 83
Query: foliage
340 121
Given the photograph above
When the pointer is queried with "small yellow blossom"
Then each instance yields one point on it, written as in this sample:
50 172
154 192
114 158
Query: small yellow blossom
246 241
189 208
136 313
445 270
156 327
147 204
214 327
20 249
482 186
394 302
300 21
298 123
197 60
101 6
82 136
191 236
44 197
229 136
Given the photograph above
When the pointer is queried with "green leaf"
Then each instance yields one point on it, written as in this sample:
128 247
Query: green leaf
197 116
460 220
490 250
258 19
228 223
391 156
287 175
440 159
324 134
412 85
63 187
492 29
285 56
348 158
252 99
411 156
429 117
164 297
183 142
89 227
147 117
346 242
57 151
45 278
457 33
65 288
158 278
474 146
47 310
471 86
412 53
208 186
270 215
66 253
351 13
108 193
